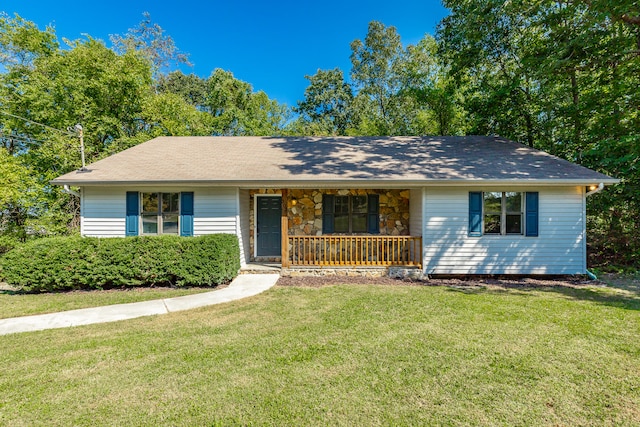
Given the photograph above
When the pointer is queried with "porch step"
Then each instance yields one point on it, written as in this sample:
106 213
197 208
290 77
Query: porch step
261 268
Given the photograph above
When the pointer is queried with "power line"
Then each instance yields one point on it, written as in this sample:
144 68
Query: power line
21 138
39 124
77 128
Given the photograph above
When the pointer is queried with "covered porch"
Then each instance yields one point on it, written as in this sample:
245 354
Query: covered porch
335 227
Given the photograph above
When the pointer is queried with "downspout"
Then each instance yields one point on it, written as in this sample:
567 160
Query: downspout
598 189
66 189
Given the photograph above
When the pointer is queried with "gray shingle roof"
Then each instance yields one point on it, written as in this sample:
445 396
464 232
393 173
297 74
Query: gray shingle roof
323 161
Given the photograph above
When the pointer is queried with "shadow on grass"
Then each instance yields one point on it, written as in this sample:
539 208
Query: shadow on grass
623 292
626 282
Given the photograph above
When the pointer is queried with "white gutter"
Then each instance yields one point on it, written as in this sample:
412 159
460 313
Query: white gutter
597 190
66 189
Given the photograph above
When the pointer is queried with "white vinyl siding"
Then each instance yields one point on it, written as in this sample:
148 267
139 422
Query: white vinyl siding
559 248
439 214
415 211
215 210
416 214
244 222
103 210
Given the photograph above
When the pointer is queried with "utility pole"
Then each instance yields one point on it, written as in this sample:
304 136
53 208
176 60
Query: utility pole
80 131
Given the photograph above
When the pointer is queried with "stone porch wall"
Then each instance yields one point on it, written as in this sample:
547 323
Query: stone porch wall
305 211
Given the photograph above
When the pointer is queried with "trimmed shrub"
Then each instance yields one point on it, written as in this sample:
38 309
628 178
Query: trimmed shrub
7 243
70 263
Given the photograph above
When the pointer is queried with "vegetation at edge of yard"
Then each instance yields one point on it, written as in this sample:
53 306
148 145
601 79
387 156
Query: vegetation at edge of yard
341 355
13 304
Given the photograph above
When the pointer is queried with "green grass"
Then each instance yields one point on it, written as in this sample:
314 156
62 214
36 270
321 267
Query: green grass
341 355
15 304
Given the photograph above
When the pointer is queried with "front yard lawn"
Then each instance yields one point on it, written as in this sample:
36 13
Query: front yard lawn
341 355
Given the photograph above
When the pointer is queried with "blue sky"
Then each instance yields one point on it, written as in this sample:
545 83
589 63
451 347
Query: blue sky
270 44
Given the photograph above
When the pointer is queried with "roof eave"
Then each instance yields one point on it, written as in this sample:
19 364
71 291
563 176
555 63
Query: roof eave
351 183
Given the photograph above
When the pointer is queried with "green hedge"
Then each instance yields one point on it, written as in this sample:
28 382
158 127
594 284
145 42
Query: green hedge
7 243
69 263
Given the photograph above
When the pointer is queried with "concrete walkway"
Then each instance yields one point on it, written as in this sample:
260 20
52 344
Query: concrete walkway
245 285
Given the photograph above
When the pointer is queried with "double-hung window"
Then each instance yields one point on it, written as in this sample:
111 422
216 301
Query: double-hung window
503 213
160 212
350 214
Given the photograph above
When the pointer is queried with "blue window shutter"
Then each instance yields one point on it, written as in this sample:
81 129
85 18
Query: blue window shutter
475 213
186 213
328 211
133 212
373 217
531 208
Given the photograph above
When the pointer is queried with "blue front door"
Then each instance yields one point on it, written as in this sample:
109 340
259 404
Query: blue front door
269 212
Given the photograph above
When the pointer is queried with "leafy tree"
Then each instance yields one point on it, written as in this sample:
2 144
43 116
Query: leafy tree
264 116
402 91
237 110
626 11
425 79
483 43
169 114
376 75
21 41
88 84
18 196
150 40
227 100
190 87
327 103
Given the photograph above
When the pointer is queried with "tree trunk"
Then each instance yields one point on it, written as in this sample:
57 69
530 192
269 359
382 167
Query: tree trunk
575 97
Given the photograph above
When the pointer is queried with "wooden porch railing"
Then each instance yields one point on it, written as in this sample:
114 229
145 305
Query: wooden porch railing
354 250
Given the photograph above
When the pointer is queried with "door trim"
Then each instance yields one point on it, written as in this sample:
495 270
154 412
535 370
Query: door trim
255 220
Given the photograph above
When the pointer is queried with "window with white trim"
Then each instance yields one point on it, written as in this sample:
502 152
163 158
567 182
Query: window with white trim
160 213
503 212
